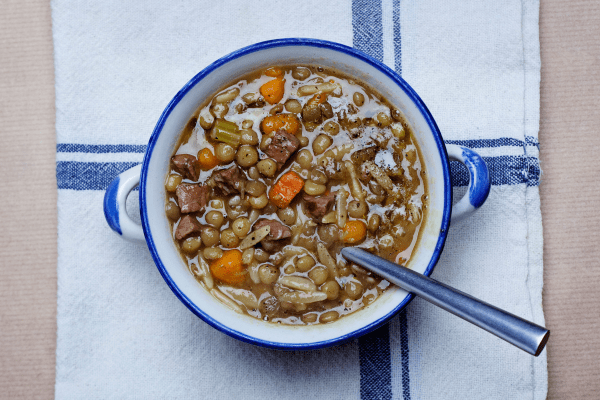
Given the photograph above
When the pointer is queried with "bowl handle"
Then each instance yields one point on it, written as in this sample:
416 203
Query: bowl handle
479 181
115 200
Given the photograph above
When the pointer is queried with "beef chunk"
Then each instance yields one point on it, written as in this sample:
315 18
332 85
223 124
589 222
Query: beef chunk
187 226
318 206
278 230
282 146
187 165
273 246
230 180
191 197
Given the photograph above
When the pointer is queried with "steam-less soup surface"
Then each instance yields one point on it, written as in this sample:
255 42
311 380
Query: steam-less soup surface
278 172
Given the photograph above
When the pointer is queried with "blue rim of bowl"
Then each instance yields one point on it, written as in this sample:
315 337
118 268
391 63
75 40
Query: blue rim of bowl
284 43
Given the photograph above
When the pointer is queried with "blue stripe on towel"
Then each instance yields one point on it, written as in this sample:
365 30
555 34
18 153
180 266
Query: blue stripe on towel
367 27
404 352
100 148
140 148
374 348
397 37
481 143
504 170
77 175
532 141
375 364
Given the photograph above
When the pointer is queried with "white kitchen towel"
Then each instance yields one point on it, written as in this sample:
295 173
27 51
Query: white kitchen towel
123 334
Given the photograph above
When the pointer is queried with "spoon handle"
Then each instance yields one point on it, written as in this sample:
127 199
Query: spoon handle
525 335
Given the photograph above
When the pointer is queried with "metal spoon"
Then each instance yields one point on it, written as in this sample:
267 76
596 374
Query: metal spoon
525 335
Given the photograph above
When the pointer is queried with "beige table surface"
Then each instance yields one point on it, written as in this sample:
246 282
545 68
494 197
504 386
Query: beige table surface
570 147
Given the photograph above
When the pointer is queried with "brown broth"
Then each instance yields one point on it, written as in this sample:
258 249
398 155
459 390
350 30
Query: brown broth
401 209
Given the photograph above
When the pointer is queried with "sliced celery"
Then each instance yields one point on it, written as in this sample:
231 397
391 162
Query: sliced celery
226 132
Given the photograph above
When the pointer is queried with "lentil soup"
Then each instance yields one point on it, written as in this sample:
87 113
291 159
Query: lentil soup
278 172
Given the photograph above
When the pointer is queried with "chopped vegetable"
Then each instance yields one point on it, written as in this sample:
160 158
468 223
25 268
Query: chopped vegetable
226 132
302 297
255 237
207 159
355 186
226 300
326 87
227 96
274 72
354 231
326 259
336 152
244 296
229 268
380 176
340 208
253 272
329 218
206 276
273 123
299 283
286 188
273 90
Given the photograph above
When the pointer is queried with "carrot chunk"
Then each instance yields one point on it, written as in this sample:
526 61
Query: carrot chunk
229 268
274 72
273 123
286 188
354 231
207 159
273 90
